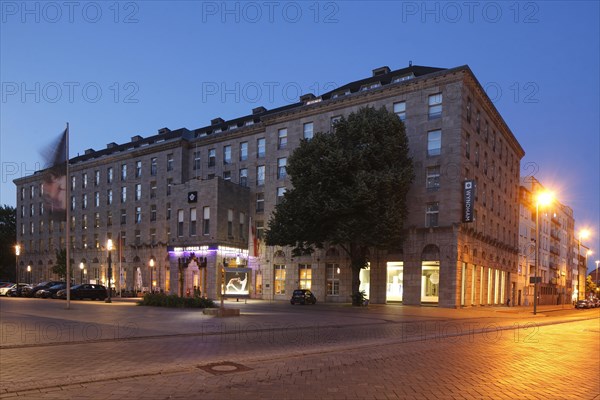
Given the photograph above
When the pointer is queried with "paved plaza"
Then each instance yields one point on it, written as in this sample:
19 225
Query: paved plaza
278 351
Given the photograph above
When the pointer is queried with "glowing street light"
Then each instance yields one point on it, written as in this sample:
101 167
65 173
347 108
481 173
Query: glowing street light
109 247
81 266
17 254
151 274
29 273
542 199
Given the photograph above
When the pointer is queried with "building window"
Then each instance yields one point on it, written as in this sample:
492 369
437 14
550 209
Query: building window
138 191
152 235
192 221
31 210
279 279
468 109
308 130
197 163
153 212
434 143
84 181
41 208
305 275
281 165
243 151
230 223
109 197
227 175
244 177
433 178
138 237
477 154
169 185
478 122
432 212
73 180
260 202
97 199
468 146
168 211
435 106
153 166
260 230
72 203
260 175
123 172
206 220
334 121
226 155
280 193
333 279
242 232
109 175
153 189
84 201
123 194
109 218
138 215
212 157
260 148
170 162
400 110
179 223
96 178
84 221
138 169
96 220
282 138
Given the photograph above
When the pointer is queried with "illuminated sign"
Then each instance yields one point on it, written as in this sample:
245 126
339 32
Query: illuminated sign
469 200
237 282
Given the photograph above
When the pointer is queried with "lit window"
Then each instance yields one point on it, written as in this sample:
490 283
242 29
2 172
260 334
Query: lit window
333 279
279 279
305 275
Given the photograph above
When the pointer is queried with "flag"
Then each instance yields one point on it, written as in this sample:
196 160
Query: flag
55 179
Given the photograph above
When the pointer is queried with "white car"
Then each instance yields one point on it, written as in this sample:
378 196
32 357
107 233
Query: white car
7 286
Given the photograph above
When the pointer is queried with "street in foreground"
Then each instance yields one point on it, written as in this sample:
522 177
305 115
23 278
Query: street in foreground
274 350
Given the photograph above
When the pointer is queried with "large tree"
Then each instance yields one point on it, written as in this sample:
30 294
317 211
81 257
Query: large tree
8 240
60 267
349 189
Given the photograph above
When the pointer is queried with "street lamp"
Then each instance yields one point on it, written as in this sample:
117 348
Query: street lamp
17 254
542 198
81 271
109 246
85 275
151 275
29 273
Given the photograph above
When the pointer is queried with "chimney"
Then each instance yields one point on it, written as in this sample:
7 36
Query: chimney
89 151
258 110
217 121
381 71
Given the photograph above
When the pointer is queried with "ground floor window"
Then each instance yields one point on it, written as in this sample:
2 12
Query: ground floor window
168 279
365 280
395 281
333 279
279 279
305 274
259 282
430 281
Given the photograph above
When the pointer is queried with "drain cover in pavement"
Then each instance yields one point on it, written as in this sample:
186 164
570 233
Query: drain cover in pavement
225 367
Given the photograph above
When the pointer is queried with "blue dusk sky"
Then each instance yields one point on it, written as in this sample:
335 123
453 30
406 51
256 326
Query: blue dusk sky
118 69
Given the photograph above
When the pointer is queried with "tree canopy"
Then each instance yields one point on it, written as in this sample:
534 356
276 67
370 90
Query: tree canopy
349 188
8 239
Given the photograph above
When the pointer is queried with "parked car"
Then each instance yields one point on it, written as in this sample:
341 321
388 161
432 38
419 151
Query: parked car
29 291
84 291
303 296
16 290
51 291
5 287
582 304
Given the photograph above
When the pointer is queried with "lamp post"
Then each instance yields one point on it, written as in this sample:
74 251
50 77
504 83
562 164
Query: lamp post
583 234
29 273
151 274
17 254
81 271
85 275
543 198
109 245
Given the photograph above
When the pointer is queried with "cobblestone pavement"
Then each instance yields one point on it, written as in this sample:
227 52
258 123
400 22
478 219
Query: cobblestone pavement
274 351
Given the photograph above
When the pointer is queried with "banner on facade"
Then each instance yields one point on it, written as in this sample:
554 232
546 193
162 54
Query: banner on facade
469 200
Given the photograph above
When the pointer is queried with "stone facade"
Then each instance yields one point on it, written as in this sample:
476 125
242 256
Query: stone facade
237 167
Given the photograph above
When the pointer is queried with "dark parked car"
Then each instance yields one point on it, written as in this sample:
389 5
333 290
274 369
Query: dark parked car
29 291
582 304
84 291
51 291
303 296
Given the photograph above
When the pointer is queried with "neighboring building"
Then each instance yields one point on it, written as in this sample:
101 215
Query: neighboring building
557 268
467 168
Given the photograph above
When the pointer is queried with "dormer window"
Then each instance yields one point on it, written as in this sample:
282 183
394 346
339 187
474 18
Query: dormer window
403 78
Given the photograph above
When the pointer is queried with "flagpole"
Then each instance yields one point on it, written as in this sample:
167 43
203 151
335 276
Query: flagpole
68 216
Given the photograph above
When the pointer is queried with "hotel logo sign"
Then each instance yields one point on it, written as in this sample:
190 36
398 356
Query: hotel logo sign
469 200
